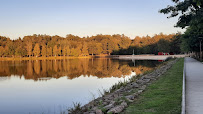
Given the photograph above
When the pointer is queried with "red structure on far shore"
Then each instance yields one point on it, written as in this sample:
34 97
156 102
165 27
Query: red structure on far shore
162 53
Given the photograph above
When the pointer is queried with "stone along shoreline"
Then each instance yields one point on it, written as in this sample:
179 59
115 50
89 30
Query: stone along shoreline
118 100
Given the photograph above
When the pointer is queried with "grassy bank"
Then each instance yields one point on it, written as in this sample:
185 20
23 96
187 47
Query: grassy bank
163 96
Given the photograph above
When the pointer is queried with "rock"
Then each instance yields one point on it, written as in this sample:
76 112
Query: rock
130 100
146 80
134 85
130 97
153 78
142 78
143 87
149 77
127 88
104 103
107 107
94 108
124 104
135 95
118 90
83 108
139 81
112 102
98 111
115 95
140 91
91 113
118 108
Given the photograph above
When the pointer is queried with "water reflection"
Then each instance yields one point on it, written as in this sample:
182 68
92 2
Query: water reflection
73 68
50 86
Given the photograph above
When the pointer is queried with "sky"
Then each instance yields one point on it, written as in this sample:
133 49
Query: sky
83 18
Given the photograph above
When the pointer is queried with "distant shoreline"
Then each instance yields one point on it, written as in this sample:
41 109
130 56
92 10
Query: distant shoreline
124 57
40 58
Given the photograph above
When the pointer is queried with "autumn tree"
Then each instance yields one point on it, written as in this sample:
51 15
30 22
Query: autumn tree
29 48
44 51
1 51
55 50
85 49
49 51
64 51
36 50
74 52
59 51
94 45
20 51
91 48
67 50
11 48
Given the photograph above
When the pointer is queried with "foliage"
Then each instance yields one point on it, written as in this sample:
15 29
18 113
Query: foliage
36 50
76 109
163 46
44 51
190 14
46 46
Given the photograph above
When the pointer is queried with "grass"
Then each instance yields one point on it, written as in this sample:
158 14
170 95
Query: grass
76 108
163 96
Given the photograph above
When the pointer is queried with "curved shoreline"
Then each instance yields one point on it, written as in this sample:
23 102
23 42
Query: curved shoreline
118 100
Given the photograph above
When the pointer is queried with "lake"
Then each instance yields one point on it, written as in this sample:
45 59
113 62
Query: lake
52 86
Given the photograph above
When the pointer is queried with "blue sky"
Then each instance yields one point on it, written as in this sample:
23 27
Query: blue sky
84 17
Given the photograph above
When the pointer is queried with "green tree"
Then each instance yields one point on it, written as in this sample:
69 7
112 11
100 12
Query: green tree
163 46
190 14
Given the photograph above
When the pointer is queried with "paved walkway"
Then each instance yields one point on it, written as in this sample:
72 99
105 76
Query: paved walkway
194 86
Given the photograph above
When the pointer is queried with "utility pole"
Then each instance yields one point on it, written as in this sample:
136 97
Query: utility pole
133 52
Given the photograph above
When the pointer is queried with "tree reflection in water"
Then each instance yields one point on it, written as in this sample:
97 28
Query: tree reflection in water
73 68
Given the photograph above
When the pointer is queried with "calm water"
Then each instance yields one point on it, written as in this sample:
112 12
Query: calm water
51 86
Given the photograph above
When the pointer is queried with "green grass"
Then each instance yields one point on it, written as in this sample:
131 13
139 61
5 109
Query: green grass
163 96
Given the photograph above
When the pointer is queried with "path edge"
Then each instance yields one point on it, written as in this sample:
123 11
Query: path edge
183 89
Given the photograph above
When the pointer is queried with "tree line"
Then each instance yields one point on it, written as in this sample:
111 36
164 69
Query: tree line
71 45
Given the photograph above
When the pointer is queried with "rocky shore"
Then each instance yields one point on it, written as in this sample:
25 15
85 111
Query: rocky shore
118 100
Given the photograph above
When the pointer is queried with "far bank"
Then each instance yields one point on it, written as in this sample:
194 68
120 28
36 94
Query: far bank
124 57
